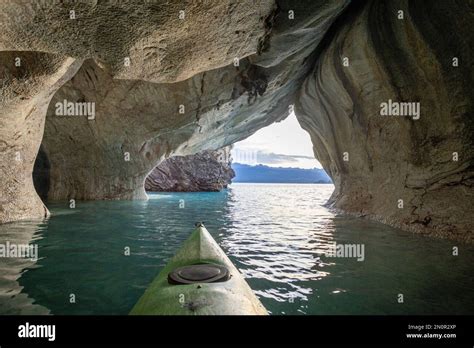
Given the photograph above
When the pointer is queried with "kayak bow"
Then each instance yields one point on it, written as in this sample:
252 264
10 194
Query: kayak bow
199 280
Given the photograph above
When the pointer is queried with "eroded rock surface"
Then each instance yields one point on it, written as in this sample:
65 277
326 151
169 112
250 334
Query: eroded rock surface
204 171
393 158
137 113
28 80
162 43
138 123
182 94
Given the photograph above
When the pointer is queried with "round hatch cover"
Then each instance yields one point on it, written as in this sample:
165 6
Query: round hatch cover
200 273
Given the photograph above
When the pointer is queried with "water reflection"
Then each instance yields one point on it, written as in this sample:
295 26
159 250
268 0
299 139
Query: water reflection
13 298
276 235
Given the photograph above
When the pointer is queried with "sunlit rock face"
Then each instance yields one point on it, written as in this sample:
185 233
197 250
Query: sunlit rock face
413 173
204 171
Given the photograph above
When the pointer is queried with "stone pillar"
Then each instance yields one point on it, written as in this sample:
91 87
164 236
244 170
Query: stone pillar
28 81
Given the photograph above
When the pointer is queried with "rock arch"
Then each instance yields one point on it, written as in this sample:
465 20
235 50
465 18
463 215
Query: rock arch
188 65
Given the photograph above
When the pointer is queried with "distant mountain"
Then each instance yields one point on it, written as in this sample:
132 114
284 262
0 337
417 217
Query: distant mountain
261 173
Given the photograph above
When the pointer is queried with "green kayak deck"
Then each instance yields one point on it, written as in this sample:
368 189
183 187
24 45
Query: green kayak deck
229 297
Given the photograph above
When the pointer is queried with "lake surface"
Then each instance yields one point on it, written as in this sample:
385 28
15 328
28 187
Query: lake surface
276 235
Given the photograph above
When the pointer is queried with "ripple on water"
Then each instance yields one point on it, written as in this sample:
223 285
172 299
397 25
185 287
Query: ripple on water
276 235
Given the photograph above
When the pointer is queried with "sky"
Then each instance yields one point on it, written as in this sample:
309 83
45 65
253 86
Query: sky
282 144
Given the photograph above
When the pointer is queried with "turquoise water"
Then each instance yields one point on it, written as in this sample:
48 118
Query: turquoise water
274 233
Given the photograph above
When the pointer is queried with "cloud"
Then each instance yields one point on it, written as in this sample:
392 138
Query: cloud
277 158
253 156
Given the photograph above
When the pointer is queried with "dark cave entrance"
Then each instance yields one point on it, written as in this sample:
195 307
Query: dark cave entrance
41 174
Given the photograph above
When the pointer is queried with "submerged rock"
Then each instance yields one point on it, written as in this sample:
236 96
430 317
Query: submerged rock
204 171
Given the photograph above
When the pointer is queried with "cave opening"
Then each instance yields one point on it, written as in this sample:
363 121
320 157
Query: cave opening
281 153
41 174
